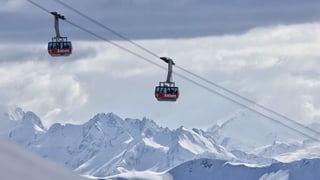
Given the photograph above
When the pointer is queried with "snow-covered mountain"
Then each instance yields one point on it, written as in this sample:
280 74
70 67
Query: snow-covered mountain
208 169
259 139
246 131
107 144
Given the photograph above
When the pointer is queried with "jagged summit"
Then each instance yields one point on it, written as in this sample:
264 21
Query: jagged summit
26 118
15 114
32 119
25 128
109 119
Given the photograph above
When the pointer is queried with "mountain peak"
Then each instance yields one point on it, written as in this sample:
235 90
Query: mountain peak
29 129
27 118
15 114
30 117
109 119
141 125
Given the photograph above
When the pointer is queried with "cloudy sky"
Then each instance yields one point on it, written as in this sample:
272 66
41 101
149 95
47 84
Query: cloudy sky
267 51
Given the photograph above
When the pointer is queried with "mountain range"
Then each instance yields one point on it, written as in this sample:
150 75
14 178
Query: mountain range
107 145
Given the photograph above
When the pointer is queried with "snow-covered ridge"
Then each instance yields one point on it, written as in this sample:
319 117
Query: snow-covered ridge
108 145
207 169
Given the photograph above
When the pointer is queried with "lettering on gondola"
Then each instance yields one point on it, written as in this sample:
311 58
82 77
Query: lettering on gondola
170 95
63 50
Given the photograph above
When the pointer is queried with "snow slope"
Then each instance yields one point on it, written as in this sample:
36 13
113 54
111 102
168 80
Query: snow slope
141 175
207 169
17 164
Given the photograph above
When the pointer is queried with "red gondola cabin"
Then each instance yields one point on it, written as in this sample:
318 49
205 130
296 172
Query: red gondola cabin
63 47
166 92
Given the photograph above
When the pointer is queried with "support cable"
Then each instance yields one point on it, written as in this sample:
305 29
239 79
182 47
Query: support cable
106 27
197 83
185 70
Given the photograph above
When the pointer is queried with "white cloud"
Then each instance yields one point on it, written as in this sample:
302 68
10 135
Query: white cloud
276 66
36 86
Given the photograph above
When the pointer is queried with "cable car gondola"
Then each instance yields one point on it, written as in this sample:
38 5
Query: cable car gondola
167 91
59 46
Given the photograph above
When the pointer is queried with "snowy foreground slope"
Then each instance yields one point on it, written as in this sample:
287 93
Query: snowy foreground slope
17 164
208 169
107 145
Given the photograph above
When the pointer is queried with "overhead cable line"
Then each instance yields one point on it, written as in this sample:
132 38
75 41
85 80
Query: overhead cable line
106 27
184 77
249 100
37 5
185 70
115 44
100 37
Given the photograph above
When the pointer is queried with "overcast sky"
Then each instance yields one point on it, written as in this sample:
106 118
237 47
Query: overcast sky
267 51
